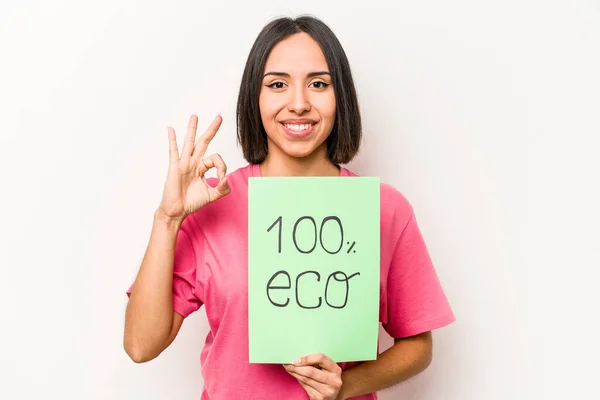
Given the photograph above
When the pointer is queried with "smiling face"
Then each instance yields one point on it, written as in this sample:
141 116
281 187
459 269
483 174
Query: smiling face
297 101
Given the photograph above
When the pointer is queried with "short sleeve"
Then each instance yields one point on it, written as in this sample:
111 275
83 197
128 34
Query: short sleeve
187 250
416 302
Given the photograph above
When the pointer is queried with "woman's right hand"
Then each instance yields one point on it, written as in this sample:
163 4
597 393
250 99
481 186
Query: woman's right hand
186 189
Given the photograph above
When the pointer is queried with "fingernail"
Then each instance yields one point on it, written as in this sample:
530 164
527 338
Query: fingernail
298 361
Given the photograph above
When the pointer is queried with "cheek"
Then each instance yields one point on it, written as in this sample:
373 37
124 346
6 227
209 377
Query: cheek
326 106
268 105
262 105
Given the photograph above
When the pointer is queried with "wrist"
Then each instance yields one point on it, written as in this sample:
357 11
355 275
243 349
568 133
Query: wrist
343 393
170 222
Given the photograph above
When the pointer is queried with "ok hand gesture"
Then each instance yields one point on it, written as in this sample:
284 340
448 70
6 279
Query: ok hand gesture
186 189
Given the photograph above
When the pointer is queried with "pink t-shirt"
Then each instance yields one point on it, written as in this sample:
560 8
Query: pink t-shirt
211 268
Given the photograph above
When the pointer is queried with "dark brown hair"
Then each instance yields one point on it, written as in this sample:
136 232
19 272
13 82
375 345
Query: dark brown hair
344 139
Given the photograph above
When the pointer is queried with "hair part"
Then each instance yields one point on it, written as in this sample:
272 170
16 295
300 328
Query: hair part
344 140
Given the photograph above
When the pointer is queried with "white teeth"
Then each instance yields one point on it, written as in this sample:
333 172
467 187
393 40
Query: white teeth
298 127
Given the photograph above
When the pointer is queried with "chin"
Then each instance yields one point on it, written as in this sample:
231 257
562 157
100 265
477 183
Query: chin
296 148
298 151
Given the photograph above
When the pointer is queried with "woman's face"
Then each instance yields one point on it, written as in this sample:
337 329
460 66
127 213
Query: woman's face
297 101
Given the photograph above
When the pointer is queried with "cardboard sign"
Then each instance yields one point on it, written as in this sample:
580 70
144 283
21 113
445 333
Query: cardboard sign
313 268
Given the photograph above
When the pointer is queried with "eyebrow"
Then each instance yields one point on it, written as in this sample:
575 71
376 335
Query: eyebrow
286 75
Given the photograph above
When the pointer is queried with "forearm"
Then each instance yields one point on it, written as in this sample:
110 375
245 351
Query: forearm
149 314
405 359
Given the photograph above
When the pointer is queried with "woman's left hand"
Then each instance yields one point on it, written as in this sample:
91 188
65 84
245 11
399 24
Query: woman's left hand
319 375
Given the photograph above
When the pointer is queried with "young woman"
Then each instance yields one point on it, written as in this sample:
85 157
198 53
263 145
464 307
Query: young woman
297 115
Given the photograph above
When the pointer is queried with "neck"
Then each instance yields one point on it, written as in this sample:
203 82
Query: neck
278 163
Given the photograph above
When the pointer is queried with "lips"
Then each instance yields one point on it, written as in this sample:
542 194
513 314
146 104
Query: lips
298 129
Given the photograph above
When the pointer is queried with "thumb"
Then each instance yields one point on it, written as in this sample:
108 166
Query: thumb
222 188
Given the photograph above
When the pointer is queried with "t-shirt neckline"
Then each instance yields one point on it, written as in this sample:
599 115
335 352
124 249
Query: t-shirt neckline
255 170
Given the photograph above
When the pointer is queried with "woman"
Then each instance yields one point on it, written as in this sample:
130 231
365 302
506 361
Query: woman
297 115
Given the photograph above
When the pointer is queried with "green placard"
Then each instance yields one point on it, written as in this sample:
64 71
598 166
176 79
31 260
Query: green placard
313 268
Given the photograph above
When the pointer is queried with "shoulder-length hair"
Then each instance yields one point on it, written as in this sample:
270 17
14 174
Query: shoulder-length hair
344 139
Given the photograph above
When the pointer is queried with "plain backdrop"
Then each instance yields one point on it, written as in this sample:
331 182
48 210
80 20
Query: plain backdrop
484 114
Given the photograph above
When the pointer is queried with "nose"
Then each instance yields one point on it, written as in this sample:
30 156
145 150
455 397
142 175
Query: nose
299 101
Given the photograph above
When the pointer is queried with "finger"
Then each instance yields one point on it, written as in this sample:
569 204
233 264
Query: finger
319 359
312 386
190 137
311 391
312 373
206 137
212 161
173 151
222 189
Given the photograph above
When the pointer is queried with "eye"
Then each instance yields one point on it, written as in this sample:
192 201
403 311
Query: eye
320 85
276 85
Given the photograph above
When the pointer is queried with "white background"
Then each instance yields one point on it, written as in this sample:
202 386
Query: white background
485 114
